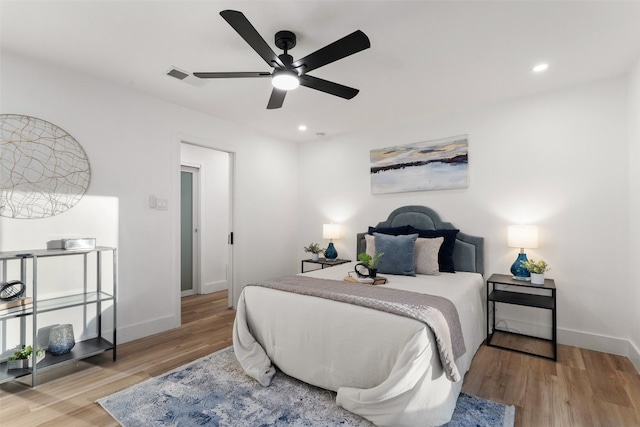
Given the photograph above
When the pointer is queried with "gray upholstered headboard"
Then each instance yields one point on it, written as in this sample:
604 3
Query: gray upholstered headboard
468 253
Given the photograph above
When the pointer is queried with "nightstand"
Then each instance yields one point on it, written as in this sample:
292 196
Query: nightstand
522 294
324 262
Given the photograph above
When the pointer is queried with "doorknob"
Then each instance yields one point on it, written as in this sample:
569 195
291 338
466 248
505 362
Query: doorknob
195 230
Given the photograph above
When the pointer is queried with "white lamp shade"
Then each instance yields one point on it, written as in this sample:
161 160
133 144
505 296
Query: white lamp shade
331 231
523 236
285 80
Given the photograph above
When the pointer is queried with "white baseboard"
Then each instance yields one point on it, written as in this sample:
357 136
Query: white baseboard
634 355
161 324
145 329
220 285
595 342
590 341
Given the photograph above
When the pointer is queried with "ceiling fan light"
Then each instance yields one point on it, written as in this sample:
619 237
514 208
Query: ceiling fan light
285 80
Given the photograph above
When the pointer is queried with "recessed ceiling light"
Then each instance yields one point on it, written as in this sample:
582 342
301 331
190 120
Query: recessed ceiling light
302 128
540 68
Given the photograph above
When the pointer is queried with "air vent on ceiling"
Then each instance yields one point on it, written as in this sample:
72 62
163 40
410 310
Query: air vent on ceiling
174 72
186 77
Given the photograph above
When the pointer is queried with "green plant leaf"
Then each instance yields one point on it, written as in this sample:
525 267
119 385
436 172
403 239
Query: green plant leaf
369 261
537 267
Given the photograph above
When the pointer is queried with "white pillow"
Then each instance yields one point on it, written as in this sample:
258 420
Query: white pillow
370 241
426 256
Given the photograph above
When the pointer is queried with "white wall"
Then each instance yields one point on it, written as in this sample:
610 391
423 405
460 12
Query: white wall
214 227
133 144
634 211
556 160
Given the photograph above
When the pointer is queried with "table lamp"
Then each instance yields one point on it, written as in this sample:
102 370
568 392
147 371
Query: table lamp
523 237
331 231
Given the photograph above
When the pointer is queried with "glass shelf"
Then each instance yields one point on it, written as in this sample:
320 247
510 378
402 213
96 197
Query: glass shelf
50 304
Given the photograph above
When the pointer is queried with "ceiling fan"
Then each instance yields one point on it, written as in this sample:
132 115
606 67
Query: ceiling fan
289 74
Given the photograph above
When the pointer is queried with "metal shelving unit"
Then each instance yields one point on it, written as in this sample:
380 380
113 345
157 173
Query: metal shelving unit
88 297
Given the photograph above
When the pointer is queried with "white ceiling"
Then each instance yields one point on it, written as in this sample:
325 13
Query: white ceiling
426 58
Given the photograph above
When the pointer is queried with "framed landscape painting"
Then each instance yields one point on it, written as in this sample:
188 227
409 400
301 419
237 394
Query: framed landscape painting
430 165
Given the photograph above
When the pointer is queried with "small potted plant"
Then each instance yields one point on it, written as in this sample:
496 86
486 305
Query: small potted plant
315 250
537 270
23 359
370 262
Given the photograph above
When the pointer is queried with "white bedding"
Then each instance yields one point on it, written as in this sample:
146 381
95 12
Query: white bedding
383 367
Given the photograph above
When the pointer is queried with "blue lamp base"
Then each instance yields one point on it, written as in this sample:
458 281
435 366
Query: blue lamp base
518 271
330 253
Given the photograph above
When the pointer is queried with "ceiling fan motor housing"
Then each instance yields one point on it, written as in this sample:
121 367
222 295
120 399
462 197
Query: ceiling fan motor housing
287 60
285 40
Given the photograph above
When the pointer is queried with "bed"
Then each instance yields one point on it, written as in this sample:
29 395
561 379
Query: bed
385 367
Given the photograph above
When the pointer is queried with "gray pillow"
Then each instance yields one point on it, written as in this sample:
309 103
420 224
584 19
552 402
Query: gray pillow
399 253
427 255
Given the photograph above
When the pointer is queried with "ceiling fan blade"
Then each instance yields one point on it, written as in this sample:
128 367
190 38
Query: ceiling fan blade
241 24
207 75
348 45
276 99
326 86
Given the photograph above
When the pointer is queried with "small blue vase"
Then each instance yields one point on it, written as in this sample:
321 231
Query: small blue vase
517 269
331 254
61 339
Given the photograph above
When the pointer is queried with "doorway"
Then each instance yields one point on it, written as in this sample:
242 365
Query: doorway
206 182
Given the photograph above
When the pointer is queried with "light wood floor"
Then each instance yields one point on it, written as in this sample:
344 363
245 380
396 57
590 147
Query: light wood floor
65 395
584 388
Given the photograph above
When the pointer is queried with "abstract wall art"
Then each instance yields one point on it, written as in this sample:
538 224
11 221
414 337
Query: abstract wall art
429 165
43 170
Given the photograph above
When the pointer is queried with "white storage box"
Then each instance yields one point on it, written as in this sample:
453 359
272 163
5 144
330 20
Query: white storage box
87 243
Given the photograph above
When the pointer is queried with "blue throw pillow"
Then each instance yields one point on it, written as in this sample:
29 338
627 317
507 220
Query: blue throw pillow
445 255
399 253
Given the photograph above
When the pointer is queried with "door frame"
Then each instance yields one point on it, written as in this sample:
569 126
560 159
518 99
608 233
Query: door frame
196 285
231 273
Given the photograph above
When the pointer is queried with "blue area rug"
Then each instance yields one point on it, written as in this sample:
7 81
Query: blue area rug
215 391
